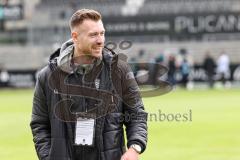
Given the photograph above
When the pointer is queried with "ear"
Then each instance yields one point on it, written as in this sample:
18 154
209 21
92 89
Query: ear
74 36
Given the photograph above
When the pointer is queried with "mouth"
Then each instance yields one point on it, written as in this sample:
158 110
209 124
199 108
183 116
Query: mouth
97 48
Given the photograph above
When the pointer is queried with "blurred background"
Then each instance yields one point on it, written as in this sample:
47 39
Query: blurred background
197 40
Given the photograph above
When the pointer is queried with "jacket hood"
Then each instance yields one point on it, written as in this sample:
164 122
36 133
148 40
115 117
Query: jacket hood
64 54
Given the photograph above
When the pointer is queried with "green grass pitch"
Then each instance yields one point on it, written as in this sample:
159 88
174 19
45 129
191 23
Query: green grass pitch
213 133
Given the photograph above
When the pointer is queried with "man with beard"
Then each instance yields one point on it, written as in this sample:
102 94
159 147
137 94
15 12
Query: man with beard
82 97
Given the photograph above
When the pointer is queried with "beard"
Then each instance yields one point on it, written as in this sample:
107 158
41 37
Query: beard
96 51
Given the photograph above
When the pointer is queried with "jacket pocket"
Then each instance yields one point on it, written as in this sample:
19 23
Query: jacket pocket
58 149
113 121
112 139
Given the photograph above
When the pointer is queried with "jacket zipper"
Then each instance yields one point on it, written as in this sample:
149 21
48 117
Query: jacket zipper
84 108
84 101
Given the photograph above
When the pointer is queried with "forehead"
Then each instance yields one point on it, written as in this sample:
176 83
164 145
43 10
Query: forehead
91 26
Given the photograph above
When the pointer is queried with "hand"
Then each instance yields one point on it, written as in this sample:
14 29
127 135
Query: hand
131 154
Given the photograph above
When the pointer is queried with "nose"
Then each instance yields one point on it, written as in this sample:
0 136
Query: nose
100 39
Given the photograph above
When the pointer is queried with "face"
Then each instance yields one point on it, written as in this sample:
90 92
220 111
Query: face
89 38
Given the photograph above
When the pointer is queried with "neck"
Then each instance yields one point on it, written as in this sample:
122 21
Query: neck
81 58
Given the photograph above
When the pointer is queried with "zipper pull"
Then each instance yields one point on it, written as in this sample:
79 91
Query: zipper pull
55 91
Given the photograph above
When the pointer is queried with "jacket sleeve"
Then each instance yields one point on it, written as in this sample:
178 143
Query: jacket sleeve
40 124
135 117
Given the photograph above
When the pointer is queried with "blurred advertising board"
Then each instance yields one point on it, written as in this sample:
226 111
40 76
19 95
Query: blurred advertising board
176 27
11 12
27 78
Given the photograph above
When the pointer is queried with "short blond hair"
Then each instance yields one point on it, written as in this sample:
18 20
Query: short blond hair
82 14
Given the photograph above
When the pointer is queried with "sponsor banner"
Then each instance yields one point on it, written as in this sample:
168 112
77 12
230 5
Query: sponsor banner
27 78
11 12
198 73
15 78
174 26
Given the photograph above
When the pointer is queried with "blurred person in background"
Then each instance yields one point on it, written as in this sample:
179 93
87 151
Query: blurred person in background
185 71
141 59
4 77
184 63
156 63
172 69
142 68
209 66
160 58
223 68
84 131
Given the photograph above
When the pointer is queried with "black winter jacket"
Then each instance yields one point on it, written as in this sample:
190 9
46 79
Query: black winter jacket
56 91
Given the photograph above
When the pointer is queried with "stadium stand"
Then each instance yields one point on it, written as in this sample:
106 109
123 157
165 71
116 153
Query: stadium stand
45 26
152 7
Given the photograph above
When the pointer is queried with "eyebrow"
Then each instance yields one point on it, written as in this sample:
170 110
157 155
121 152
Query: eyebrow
103 31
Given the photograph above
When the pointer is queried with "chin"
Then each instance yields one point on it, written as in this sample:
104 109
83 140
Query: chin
97 54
